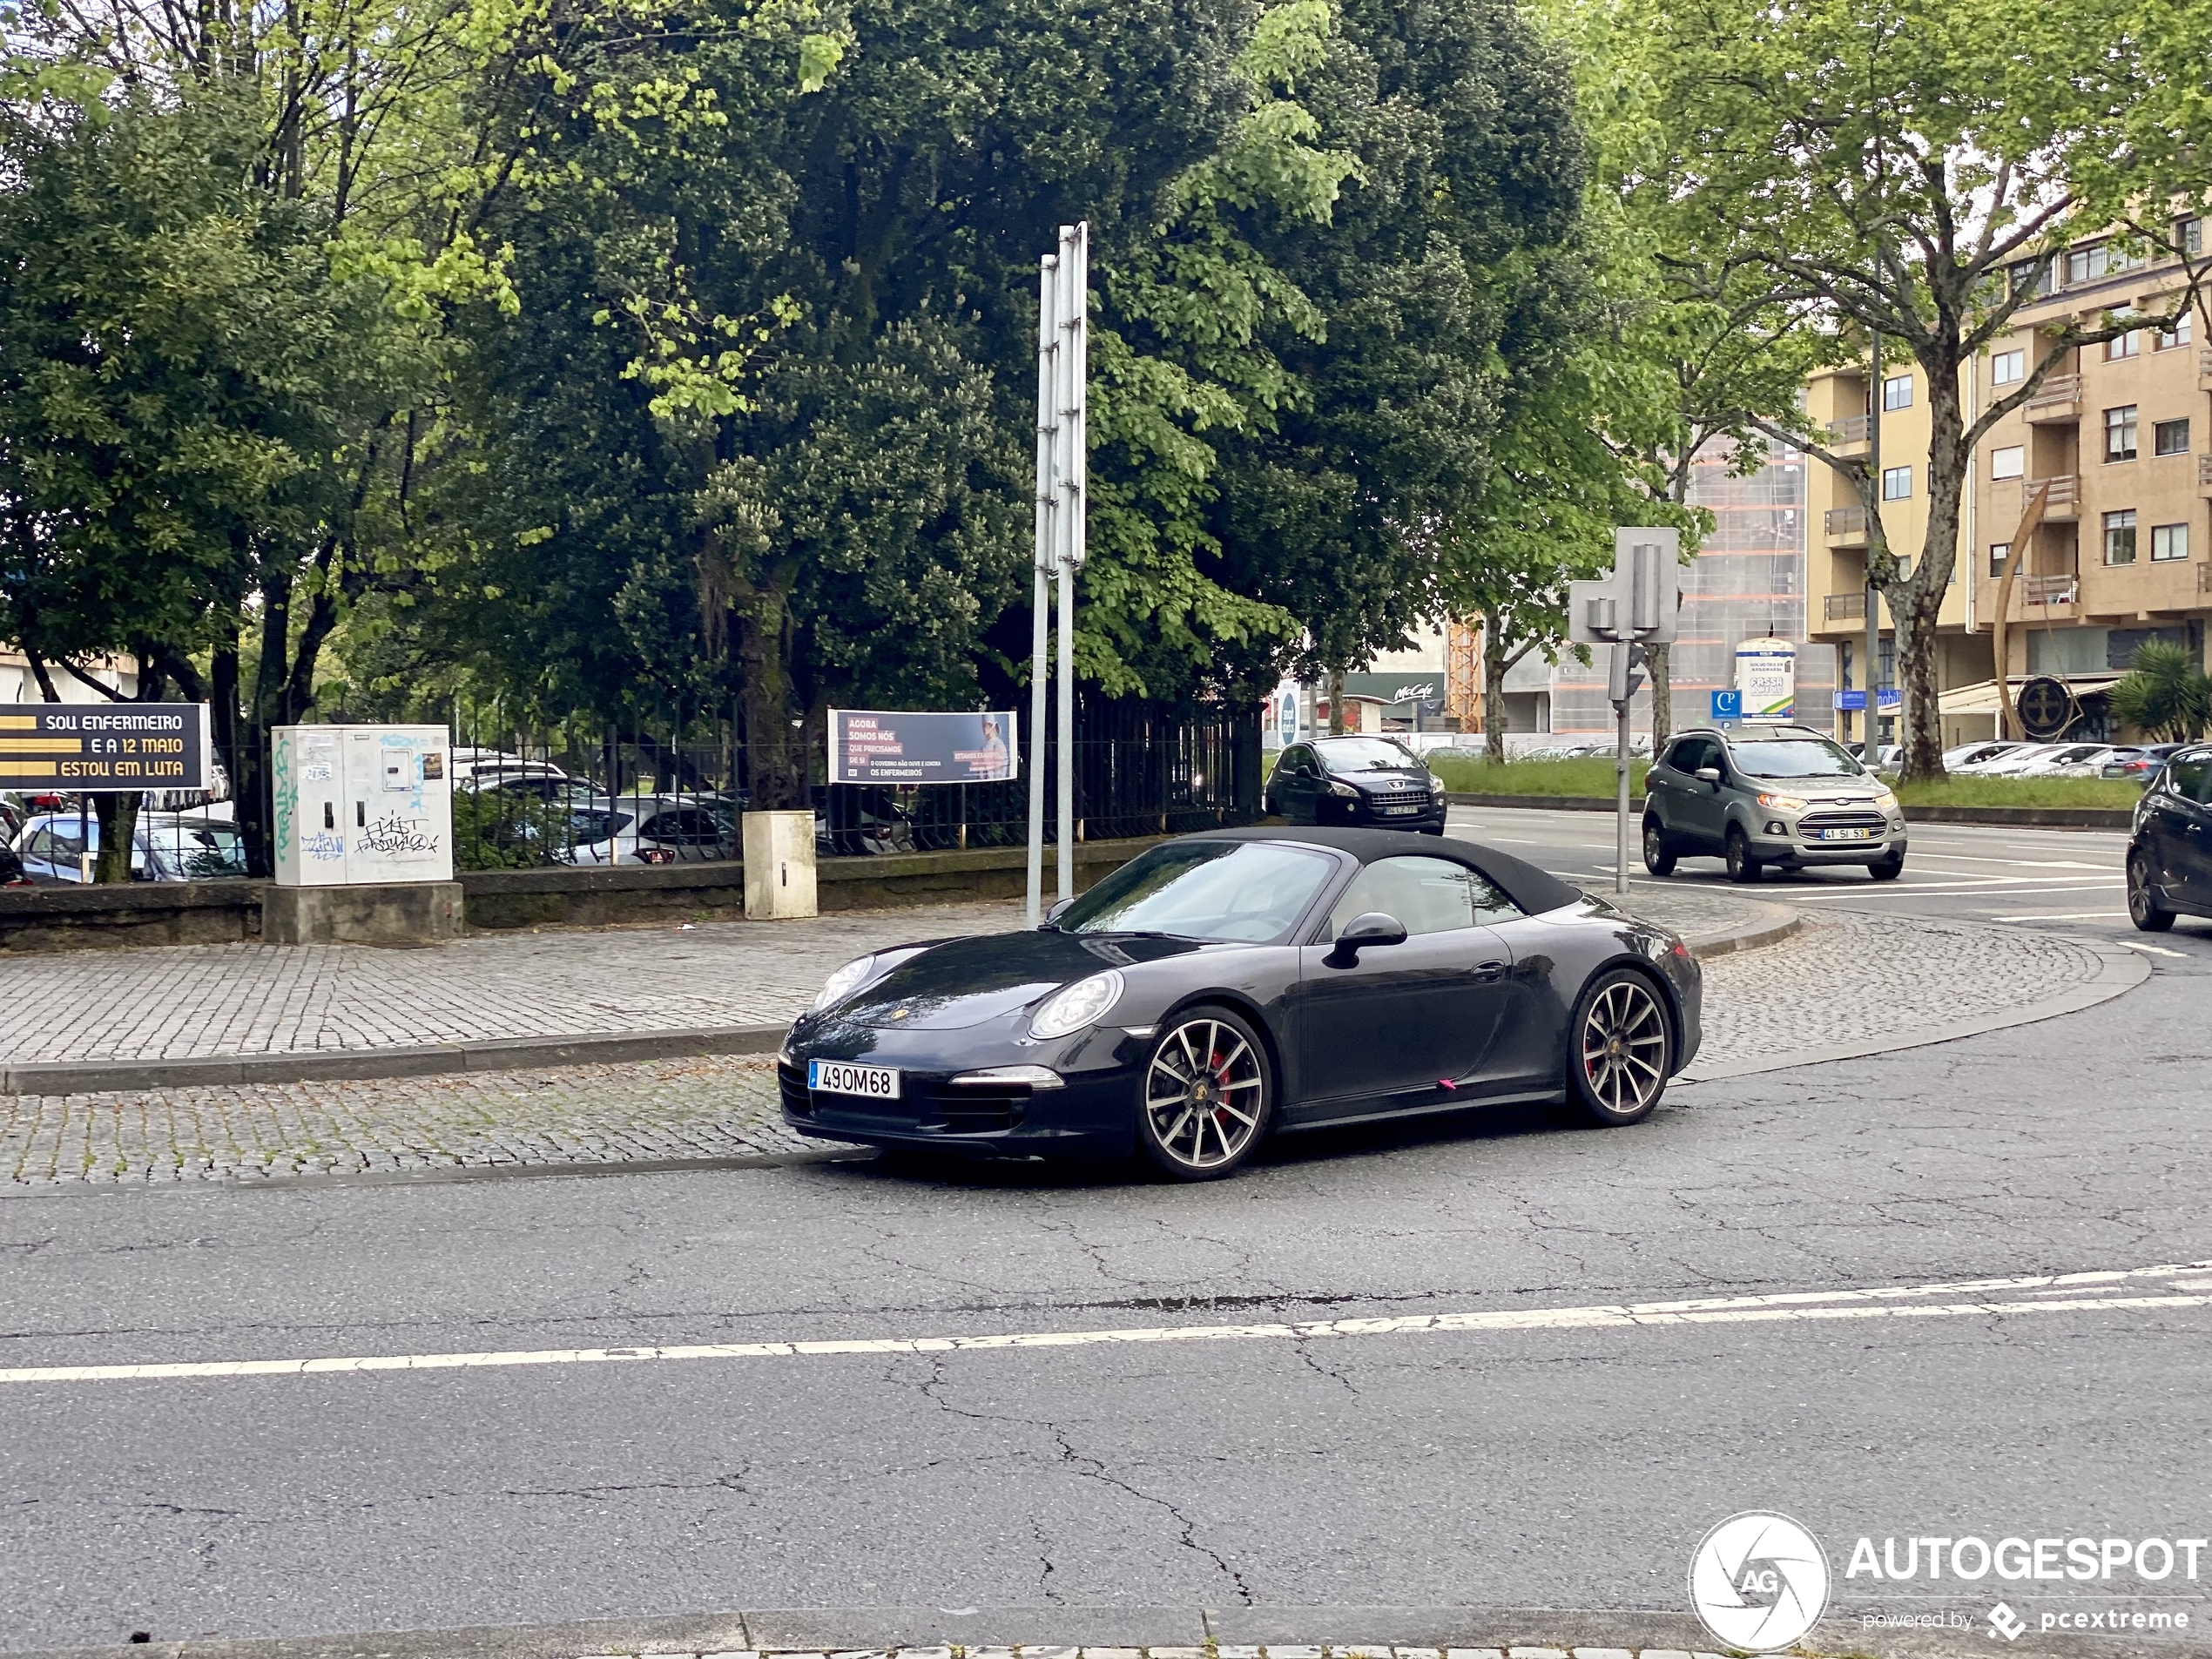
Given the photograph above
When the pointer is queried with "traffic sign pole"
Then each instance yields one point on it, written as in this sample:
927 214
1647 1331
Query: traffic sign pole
1632 607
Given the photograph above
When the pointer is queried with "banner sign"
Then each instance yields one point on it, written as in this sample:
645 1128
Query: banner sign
102 746
902 746
1766 673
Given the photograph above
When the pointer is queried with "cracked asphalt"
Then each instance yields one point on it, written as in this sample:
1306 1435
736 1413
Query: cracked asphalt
1551 1467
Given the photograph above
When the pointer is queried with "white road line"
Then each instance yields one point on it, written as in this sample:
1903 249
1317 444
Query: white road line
2156 950
1883 1302
1893 890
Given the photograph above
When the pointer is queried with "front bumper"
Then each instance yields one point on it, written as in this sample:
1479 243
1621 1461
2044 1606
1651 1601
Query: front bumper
1786 850
1364 814
1093 1114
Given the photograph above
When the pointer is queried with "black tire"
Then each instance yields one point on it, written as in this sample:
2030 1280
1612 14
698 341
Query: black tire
1658 852
1887 869
1742 865
2143 906
1620 1049
1190 1120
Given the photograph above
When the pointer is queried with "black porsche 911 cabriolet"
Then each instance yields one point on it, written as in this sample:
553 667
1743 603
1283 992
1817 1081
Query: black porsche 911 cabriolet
1226 985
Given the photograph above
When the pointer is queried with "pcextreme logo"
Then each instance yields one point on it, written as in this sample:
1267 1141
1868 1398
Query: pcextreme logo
1759 1582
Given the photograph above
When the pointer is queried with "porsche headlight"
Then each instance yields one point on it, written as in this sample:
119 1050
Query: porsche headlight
841 984
1787 803
1073 1007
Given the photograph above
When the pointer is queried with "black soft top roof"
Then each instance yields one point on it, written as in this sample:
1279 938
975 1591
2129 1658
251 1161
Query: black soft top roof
1533 890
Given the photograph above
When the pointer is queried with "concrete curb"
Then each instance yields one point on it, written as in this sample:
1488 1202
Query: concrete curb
2119 970
522 1054
1188 1630
489 1054
2104 817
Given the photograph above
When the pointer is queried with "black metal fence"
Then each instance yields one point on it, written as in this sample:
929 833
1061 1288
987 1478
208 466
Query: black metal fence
674 788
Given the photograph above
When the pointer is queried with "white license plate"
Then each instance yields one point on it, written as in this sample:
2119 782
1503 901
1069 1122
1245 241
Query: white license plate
1410 807
835 1077
1846 834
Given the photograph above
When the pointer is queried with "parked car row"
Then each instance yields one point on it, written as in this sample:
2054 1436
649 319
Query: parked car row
2138 763
201 843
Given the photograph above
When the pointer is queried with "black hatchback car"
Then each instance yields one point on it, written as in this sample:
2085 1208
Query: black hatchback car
2169 849
1366 781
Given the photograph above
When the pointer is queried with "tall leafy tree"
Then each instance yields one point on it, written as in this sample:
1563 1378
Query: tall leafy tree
1905 169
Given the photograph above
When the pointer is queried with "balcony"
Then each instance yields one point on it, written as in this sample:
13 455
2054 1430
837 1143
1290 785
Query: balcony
2205 366
1844 526
2058 398
2048 592
1851 607
2063 505
1852 430
2204 474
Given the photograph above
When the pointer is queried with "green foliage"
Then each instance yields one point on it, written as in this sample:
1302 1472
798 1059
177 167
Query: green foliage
2165 694
2095 794
1590 777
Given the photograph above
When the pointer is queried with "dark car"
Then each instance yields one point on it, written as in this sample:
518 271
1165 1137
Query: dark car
2169 850
1223 986
1355 781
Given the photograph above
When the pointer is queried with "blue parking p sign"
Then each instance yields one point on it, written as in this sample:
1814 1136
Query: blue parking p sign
1728 705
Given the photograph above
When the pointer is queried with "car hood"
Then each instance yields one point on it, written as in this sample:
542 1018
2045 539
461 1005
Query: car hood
1826 790
965 981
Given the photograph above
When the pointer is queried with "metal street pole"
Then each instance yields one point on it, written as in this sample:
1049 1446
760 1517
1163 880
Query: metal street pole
1048 339
1872 677
1072 365
1622 662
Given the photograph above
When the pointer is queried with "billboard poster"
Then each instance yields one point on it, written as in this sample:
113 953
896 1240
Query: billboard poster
97 746
1766 673
905 746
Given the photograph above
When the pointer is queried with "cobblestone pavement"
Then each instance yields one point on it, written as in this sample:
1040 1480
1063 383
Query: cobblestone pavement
1847 977
196 1001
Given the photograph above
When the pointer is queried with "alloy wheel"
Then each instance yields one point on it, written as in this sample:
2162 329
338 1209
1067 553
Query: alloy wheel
1204 1094
1624 1048
2143 907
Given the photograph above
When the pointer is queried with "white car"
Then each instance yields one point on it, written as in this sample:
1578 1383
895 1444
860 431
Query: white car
2011 763
1974 754
651 829
2073 760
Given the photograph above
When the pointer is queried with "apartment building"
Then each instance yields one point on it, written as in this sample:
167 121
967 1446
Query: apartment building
2116 443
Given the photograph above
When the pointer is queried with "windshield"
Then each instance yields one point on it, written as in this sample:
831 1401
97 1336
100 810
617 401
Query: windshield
1248 892
1364 754
1795 757
202 852
592 825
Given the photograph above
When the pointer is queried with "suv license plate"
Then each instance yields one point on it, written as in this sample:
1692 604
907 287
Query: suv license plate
1408 807
1846 834
835 1077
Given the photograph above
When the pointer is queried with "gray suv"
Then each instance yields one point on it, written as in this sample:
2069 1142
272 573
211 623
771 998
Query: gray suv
1784 795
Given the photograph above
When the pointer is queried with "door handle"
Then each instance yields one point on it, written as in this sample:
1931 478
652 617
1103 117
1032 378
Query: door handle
1486 972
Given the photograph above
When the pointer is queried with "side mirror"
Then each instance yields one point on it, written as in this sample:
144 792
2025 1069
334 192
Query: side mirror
1058 907
1709 774
1367 931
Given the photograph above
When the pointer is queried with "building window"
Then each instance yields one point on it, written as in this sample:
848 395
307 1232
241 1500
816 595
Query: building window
2120 434
2166 340
2008 463
1998 552
1897 392
2170 438
2119 537
2126 345
2169 541
1897 483
2190 235
2007 368
2085 264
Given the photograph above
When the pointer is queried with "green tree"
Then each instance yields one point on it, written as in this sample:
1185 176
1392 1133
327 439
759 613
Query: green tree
2165 694
1896 168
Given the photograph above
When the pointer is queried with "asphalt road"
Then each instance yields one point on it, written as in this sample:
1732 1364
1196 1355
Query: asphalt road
1534 1457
